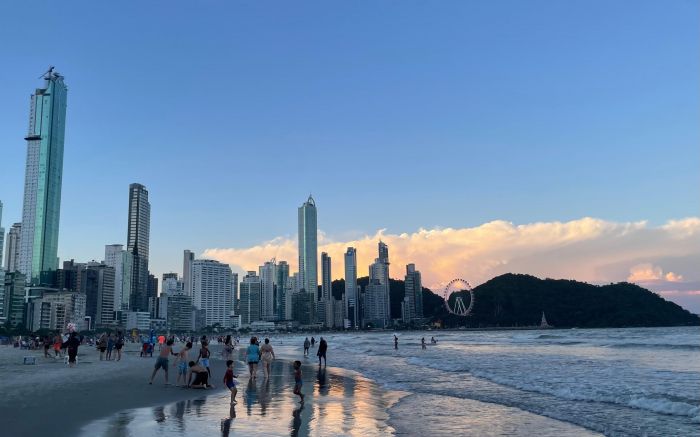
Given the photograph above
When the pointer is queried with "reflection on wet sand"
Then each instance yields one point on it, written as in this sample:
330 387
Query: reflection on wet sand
336 400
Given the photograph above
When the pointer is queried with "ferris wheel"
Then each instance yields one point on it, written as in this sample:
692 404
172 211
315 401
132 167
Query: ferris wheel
458 307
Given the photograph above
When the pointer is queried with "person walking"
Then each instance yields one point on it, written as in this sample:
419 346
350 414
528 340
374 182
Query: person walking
267 355
119 344
71 346
313 341
307 344
110 346
422 343
253 353
102 345
204 354
322 348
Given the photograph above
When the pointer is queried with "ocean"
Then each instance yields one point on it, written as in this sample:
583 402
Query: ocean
618 382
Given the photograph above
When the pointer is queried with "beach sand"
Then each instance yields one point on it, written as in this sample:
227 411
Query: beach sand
50 397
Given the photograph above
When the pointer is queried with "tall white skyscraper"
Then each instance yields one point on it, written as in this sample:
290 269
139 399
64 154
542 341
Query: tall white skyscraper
12 248
268 277
352 302
212 286
188 258
379 271
114 257
43 179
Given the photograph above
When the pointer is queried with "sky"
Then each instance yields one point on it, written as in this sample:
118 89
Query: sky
476 137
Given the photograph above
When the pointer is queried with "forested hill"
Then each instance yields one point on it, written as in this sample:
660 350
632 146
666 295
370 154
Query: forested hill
519 300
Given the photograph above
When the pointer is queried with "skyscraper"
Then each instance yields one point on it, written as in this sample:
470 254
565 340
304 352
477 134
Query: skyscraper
308 247
308 251
212 286
268 276
249 302
2 236
137 244
325 305
12 248
281 289
414 294
114 257
188 258
379 271
351 293
43 178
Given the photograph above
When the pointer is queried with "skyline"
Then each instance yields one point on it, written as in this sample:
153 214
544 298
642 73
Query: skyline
595 123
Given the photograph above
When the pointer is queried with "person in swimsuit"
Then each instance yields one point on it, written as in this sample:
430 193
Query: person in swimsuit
422 343
228 347
71 345
201 379
110 346
203 356
307 343
230 381
396 342
182 360
253 353
162 361
298 381
267 354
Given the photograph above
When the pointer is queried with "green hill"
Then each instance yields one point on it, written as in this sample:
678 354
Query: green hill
519 300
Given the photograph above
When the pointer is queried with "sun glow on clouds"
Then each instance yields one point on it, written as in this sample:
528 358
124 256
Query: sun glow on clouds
586 249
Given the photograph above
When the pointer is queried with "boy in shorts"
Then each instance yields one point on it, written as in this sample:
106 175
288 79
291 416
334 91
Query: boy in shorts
297 381
231 381
181 362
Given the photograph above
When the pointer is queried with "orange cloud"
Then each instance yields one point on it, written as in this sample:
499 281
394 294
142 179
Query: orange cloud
586 249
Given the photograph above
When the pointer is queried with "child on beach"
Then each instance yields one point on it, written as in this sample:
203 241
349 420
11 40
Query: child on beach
181 362
201 379
297 381
231 381
204 354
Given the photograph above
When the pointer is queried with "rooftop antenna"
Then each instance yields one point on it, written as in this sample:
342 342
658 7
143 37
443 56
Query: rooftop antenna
47 75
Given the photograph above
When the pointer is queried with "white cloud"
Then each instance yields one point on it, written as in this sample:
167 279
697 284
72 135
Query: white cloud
586 249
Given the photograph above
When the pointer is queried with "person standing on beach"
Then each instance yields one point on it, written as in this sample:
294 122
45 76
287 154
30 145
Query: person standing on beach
204 354
230 381
307 343
228 347
102 345
110 346
253 353
71 346
322 347
267 355
313 341
162 361
396 342
422 343
298 381
182 361
57 344
47 345
119 344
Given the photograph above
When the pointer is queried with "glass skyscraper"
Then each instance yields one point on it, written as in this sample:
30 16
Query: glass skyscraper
43 178
308 252
137 244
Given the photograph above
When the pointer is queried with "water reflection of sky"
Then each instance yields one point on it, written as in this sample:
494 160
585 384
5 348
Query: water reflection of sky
338 402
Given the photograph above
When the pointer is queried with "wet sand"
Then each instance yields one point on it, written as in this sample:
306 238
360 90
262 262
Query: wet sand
338 402
52 398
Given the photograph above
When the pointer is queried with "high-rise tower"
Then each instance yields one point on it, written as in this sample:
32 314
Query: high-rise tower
352 298
137 244
43 178
308 251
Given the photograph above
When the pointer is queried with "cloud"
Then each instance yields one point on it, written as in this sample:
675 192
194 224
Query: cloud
587 249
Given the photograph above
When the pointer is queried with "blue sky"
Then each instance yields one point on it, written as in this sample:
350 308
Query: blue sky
395 115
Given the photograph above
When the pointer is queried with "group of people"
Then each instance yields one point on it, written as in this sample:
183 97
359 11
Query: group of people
322 348
107 343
